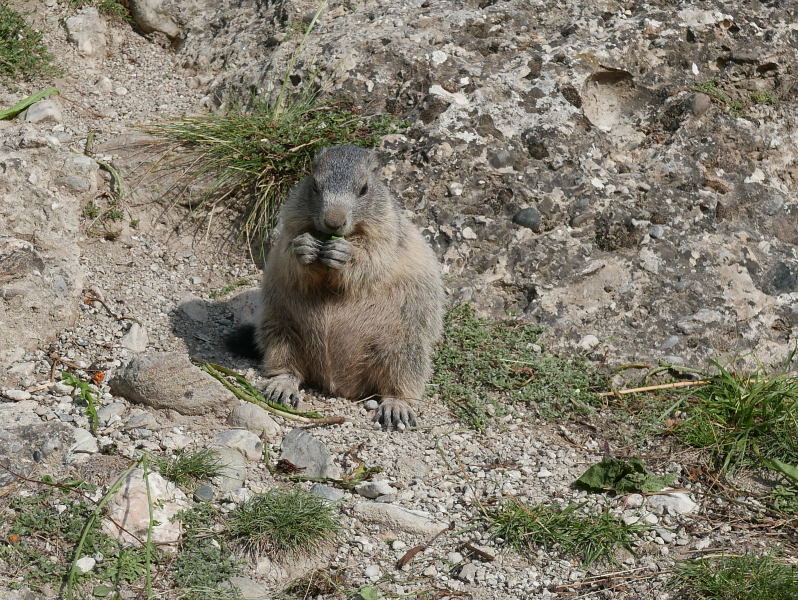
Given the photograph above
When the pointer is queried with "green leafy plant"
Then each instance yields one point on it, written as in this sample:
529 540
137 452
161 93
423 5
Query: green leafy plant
480 362
736 578
86 394
283 522
23 54
204 560
109 8
622 476
216 294
593 537
743 418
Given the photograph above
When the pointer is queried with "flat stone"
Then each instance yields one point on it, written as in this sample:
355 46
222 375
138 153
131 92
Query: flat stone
303 450
204 493
398 517
168 380
327 492
17 395
246 442
374 489
675 503
84 444
255 419
47 110
233 469
111 412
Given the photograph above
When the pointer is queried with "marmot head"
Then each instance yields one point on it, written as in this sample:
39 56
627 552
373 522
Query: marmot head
342 192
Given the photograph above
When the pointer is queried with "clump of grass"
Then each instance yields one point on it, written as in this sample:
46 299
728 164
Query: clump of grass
744 418
590 537
187 468
480 362
282 522
23 53
85 393
736 578
204 560
109 8
251 155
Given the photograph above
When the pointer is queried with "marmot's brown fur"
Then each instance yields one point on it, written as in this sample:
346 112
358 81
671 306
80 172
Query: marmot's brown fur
352 294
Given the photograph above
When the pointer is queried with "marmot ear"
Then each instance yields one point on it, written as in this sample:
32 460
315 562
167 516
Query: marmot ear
372 161
319 155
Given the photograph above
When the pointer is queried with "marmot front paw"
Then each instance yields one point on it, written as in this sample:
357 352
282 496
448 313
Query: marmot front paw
393 412
306 248
335 253
283 389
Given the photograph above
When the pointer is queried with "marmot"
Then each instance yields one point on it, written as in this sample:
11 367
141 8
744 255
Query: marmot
352 294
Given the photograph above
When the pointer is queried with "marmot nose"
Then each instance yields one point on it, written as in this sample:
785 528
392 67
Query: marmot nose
335 218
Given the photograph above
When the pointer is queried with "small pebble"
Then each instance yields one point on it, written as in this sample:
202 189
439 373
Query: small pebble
17 395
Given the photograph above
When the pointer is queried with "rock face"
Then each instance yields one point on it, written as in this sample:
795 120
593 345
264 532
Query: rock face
42 187
610 178
169 380
26 441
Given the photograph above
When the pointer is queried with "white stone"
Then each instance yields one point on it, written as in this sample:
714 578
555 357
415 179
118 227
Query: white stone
135 339
17 395
87 30
130 509
588 342
675 503
374 489
85 564
372 572
455 188
398 517
43 111
438 57
85 443
246 442
255 419
634 501
469 234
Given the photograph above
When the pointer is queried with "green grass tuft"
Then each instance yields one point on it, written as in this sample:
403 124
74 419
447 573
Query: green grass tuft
480 362
590 537
744 418
736 578
250 156
188 468
23 54
282 522
109 8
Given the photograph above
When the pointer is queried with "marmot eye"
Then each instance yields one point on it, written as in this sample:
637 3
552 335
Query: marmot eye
364 189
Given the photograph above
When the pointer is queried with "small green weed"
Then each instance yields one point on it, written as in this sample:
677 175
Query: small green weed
480 362
214 295
591 537
86 393
762 98
204 560
91 211
744 418
711 89
188 468
283 522
785 499
23 54
736 578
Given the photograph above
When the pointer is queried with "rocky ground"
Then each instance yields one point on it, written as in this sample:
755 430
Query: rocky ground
625 174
